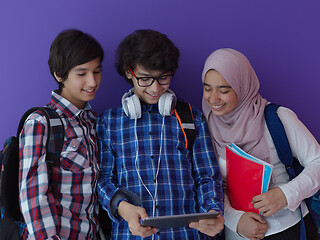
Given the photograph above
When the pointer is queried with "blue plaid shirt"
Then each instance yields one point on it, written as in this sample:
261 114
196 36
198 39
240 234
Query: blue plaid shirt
187 182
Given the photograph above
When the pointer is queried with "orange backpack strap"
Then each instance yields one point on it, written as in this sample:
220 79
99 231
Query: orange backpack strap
184 115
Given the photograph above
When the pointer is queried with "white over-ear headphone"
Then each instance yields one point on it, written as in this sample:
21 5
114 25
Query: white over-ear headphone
132 107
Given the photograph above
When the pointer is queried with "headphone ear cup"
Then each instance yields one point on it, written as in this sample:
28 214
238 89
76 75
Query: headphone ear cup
131 106
167 103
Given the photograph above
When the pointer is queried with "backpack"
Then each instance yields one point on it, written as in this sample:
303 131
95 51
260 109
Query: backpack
11 221
292 164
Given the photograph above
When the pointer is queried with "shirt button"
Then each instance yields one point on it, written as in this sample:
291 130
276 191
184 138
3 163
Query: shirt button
157 207
158 233
152 156
154 180
150 133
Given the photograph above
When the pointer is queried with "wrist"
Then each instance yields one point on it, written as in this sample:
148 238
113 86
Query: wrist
121 205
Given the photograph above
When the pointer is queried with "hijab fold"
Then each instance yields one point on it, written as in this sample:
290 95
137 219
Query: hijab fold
244 126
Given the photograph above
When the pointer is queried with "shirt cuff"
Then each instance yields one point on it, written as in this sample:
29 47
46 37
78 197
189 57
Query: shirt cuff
231 216
291 196
123 195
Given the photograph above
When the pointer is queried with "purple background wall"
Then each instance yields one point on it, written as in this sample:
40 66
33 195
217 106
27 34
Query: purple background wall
280 38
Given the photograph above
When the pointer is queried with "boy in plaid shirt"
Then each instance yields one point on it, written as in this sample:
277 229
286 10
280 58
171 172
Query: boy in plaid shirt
67 209
142 149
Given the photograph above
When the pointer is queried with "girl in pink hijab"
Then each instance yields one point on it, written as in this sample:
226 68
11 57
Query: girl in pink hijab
234 110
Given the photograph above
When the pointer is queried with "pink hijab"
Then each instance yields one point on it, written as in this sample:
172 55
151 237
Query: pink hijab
243 126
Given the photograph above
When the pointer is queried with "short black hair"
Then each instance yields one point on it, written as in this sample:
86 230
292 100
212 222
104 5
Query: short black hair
70 48
150 49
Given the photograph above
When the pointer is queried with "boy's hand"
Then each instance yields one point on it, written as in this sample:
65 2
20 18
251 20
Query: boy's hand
210 227
252 226
270 202
132 214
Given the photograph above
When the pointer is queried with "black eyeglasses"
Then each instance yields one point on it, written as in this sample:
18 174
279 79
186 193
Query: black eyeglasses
148 81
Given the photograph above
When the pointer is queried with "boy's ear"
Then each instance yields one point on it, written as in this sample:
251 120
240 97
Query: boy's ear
59 79
128 74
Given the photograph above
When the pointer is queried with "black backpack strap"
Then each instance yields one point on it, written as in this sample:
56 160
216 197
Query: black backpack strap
184 115
55 139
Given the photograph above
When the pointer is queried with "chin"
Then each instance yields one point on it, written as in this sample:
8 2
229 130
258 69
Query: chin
151 101
217 113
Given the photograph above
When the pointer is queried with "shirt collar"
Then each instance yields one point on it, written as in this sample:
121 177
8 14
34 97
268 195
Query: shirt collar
145 106
149 107
67 107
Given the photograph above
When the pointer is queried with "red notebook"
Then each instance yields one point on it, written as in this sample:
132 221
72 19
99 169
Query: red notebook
247 177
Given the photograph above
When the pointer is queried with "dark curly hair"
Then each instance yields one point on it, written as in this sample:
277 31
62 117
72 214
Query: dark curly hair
69 49
148 48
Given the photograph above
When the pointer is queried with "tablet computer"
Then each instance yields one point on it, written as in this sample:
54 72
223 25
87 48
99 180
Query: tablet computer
177 220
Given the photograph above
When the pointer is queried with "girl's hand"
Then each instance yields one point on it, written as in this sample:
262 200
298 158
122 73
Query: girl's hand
252 226
270 202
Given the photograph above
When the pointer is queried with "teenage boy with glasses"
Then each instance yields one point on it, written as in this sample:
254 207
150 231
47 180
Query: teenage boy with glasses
145 168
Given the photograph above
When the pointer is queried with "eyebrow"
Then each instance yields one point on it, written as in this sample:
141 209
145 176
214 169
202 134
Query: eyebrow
144 74
85 69
207 85
149 75
224 87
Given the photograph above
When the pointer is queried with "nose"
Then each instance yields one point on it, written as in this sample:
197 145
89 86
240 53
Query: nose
155 87
93 80
214 97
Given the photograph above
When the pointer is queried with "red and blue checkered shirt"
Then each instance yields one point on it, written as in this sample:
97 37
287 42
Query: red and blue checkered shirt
68 208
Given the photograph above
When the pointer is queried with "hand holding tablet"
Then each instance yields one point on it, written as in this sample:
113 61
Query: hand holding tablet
177 220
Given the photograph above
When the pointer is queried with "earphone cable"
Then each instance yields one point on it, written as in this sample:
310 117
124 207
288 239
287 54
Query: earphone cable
158 167
136 163
159 160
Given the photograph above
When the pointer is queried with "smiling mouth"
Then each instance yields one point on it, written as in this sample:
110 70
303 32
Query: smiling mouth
153 95
217 107
88 91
